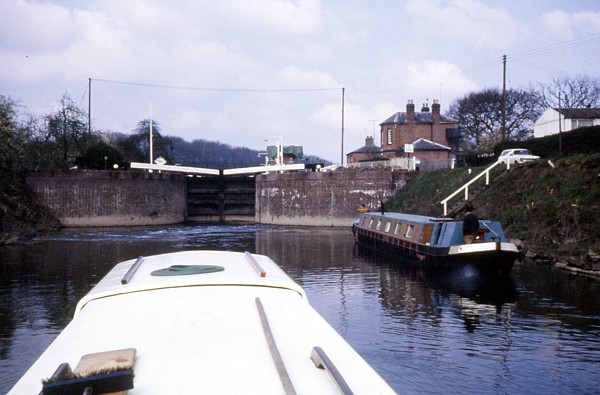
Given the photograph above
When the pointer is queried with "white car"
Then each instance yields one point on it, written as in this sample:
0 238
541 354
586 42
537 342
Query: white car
516 155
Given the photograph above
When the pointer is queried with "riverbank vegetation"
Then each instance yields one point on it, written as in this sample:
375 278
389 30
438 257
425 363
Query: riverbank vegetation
552 205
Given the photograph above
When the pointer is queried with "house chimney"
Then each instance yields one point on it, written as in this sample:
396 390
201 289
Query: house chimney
410 112
369 141
435 111
425 107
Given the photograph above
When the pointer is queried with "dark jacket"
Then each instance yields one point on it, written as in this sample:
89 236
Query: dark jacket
470 224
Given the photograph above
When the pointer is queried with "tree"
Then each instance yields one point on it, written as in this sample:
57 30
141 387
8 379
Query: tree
67 128
479 115
136 147
19 132
101 156
580 91
8 126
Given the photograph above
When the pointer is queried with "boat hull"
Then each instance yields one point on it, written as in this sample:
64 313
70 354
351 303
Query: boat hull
488 258
244 327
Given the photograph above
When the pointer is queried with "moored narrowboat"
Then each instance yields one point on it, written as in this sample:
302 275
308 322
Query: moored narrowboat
437 242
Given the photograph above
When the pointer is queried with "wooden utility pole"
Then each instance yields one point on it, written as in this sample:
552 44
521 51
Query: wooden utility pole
90 106
503 129
559 129
342 156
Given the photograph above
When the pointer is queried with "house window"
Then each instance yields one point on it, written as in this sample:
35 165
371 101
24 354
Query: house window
580 123
389 136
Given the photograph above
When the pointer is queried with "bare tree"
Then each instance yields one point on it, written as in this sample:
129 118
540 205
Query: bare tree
8 126
479 115
67 128
580 91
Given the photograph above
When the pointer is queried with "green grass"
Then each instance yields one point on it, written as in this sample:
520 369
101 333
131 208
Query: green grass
556 210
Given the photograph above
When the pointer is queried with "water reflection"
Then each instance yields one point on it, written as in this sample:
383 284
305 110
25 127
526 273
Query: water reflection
535 331
410 288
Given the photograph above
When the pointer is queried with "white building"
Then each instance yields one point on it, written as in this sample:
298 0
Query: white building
570 118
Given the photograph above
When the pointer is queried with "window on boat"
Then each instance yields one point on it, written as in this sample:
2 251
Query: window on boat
378 224
397 229
403 229
410 231
371 223
388 225
426 234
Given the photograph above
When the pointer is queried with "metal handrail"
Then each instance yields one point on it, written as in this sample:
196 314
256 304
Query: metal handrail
284 376
259 270
465 187
322 361
127 277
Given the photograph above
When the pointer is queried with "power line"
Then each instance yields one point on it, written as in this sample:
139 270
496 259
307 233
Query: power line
556 47
532 52
191 88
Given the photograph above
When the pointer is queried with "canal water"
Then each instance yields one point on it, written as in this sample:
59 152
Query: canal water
536 332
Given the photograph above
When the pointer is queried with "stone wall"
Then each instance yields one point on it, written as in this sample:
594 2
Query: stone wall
111 198
322 198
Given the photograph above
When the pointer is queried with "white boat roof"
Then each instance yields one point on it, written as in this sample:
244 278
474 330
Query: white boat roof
204 333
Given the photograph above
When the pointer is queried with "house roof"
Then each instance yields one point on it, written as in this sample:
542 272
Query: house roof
367 149
420 117
579 113
427 145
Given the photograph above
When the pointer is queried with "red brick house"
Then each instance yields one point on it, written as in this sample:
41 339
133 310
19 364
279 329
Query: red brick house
367 153
438 135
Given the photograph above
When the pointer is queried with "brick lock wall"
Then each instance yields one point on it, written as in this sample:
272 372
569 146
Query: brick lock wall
322 199
112 198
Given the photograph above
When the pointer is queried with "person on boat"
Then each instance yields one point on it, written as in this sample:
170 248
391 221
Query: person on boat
382 208
363 209
470 224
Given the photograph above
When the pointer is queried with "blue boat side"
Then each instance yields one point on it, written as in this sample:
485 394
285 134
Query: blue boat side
441 232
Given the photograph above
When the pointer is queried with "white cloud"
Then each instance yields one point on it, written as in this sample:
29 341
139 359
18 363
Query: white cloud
563 25
27 26
383 52
471 24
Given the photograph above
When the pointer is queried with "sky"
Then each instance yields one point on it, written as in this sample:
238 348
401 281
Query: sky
252 73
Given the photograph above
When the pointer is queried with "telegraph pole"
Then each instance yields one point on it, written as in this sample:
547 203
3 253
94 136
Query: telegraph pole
342 156
90 106
503 97
559 129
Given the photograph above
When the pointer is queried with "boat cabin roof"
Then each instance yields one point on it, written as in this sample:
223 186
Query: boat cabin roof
237 269
407 217
210 329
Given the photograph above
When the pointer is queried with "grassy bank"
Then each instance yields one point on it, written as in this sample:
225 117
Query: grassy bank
554 210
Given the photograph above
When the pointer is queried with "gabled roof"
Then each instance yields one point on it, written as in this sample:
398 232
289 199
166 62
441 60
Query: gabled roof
367 149
420 117
579 113
427 145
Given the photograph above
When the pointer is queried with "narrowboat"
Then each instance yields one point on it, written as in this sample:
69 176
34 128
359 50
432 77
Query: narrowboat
437 242
199 322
